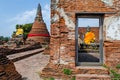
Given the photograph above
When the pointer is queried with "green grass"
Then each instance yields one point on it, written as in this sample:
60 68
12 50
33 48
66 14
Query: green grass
73 78
118 66
52 79
49 78
67 71
115 74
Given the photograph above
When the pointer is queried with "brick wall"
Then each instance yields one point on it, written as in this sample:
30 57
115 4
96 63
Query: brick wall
111 37
112 53
63 29
7 69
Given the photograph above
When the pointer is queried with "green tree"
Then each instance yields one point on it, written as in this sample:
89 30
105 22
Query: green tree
1 37
17 26
13 34
4 38
26 28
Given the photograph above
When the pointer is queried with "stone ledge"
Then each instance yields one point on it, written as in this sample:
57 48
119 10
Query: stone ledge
91 70
92 77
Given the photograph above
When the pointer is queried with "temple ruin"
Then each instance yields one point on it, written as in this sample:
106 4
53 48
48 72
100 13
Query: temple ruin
64 51
39 32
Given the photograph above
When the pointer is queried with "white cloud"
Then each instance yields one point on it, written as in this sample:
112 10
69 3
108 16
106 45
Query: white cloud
29 16
25 17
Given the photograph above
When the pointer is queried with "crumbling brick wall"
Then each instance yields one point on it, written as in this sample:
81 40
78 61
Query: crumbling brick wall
63 27
7 69
112 36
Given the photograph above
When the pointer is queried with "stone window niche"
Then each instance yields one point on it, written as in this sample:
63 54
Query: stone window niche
89 39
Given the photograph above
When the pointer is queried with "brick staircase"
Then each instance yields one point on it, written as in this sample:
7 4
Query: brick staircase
92 73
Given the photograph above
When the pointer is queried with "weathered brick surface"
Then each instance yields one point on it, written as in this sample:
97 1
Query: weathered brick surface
30 45
92 77
63 26
112 53
63 12
7 69
91 70
117 6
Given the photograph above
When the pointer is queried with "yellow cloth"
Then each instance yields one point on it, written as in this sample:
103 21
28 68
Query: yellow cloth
19 31
89 37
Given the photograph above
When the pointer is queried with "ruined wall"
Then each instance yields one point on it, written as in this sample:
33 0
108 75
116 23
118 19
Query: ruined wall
112 53
112 22
112 36
7 69
62 35
63 26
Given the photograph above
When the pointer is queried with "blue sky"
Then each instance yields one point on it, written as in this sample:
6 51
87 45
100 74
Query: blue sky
14 12
85 22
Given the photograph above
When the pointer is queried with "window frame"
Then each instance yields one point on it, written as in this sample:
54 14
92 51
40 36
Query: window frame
101 18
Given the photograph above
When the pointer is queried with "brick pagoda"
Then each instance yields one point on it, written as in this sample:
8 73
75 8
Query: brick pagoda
39 32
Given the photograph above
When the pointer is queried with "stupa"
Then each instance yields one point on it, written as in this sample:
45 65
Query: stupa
39 32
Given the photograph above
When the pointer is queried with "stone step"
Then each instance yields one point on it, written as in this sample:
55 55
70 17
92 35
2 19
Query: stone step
92 70
22 55
92 77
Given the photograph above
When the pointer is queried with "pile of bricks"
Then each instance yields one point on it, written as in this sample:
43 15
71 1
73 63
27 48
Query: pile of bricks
7 69
29 45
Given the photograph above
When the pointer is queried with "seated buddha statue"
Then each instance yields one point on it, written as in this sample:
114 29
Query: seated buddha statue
19 32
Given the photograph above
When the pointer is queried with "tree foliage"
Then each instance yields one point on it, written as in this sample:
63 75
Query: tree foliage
2 38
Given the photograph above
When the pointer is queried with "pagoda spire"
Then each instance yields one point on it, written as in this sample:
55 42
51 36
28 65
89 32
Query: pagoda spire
39 14
39 32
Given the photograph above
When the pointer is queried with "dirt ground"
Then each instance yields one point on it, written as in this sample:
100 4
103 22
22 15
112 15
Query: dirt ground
30 67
